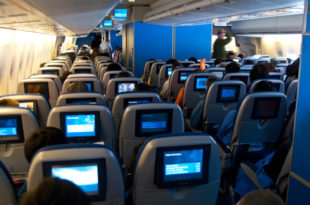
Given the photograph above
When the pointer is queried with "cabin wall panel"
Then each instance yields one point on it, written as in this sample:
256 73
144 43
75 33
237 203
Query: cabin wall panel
21 54
116 41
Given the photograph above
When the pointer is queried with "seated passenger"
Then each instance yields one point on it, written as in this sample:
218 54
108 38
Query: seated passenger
113 67
232 67
241 56
123 74
55 191
260 197
196 116
9 102
193 59
226 127
218 61
292 70
230 56
64 76
77 87
259 71
142 87
270 67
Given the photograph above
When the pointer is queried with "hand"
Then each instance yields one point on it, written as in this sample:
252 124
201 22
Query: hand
203 63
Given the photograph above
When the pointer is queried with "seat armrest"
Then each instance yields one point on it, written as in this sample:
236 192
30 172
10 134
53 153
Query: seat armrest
225 154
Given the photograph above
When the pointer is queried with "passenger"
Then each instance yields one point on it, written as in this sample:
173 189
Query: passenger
241 56
64 76
95 44
179 100
221 65
142 87
261 197
123 74
270 67
42 65
220 43
105 46
193 59
230 56
9 102
232 67
259 71
53 191
77 87
164 93
114 67
225 129
292 70
84 58
197 113
218 61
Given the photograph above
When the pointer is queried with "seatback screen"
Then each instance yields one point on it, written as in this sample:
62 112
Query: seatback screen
168 72
53 72
228 93
200 83
182 166
81 126
152 122
89 175
81 101
183 75
134 101
32 105
11 129
123 87
38 88
266 108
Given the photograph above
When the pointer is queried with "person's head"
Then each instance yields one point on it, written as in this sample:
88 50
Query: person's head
270 67
43 137
42 65
65 75
143 87
240 55
221 34
218 61
221 65
193 59
210 80
261 197
53 191
123 74
259 71
232 67
77 87
230 54
84 58
114 67
9 102
264 85
198 70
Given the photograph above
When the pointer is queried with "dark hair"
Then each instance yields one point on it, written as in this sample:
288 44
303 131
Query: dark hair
230 53
198 70
53 191
84 58
193 59
43 137
65 75
143 87
240 55
270 67
264 86
123 74
259 71
218 61
77 87
259 197
232 67
114 67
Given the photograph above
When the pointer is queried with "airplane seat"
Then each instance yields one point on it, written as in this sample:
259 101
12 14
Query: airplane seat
223 96
126 99
51 70
186 63
177 169
219 72
244 77
17 124
276 75
278 84
109 75
291 92
154 73
139 122
56 78
163 75
95 169
45 87
61 61
82 75
55 64
93 84
84 123
177 81
83 69
194 91
147 69
35 102
81 98
120 85
7 190
197 65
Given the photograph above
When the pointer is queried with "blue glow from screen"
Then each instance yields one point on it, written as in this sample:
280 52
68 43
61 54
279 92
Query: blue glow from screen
120 13
84 176
155 122
169 71
183 164
133 102
80 125
125 87
228 93
89 86
8 127
201 83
